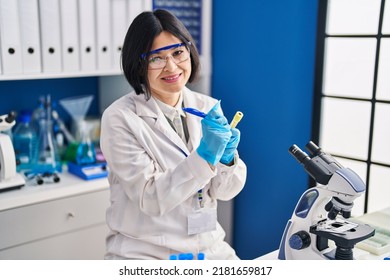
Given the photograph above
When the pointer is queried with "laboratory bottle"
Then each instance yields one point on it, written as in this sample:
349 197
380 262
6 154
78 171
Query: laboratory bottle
38 114
48 154
25 141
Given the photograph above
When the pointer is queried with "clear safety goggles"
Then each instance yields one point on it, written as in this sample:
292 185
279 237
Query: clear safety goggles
178 54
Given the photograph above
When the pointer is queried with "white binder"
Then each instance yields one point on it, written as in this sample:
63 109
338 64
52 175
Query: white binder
134 7
10 37
87 35
103 33
30 38
1 71
148 5
70 36
49 13
119 29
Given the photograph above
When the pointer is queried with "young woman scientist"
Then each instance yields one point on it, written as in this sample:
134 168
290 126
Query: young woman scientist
167 168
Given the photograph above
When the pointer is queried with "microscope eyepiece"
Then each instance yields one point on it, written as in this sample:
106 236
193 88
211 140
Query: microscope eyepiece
298 154
313 149
318 165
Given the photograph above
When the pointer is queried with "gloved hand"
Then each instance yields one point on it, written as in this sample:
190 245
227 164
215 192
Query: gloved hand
231 147
216 135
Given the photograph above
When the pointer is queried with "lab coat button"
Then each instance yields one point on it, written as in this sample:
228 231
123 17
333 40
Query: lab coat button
223 173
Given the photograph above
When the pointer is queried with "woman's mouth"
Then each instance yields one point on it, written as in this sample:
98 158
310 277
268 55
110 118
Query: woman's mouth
171 78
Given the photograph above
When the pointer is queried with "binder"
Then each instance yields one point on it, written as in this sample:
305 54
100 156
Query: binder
30 38
10 37
87 35
148 5
103 34
49 14
135 7
119 29
70 36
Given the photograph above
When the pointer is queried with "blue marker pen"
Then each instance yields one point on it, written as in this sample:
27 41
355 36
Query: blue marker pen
195 112
236 119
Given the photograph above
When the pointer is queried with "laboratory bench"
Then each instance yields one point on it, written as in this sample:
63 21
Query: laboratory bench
64 220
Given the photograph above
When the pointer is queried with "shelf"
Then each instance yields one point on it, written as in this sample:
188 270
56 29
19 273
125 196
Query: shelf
59 75
70 185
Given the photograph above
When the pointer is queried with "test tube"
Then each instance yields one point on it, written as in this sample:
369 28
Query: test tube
236 119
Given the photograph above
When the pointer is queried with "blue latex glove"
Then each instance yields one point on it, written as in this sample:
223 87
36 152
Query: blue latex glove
231 147
216 135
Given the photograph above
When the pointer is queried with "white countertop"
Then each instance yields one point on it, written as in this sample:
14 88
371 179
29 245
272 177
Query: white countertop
69 185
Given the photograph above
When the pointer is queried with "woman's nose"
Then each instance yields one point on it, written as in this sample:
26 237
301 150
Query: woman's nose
170 64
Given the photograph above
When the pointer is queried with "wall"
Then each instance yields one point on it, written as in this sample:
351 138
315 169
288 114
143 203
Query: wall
20 95
263 64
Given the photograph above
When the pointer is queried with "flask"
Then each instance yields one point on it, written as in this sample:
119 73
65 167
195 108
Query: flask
25 142
48 159
48 153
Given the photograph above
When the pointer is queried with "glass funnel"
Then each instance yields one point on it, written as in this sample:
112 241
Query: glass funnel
77 107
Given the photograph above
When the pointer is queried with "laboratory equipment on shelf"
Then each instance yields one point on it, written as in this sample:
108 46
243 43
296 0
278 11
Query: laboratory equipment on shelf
48 164
62 127
9 178
48 154
77 107
40 177
81 154
25 141
322 212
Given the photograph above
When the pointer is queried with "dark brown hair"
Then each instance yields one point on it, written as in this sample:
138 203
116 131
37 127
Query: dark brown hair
139 39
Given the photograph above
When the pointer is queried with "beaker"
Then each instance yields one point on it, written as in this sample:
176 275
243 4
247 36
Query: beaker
82 152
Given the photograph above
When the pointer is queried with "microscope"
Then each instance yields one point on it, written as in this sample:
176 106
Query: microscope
9 178
322 212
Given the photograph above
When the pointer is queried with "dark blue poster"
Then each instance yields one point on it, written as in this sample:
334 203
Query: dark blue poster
189 12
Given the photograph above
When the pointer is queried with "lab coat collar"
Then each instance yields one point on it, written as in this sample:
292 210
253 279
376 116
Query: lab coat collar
145 108
150 109
169 111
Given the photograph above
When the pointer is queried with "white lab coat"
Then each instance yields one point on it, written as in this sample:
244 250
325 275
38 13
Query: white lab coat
154 181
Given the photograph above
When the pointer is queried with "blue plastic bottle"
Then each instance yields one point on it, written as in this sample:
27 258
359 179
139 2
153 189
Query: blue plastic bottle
25 141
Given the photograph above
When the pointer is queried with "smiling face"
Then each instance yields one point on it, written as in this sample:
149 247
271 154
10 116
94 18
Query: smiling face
166 83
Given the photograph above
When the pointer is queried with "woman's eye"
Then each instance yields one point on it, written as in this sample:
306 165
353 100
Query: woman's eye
177 53
155 59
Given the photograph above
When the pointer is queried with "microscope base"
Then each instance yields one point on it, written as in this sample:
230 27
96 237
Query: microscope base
15 182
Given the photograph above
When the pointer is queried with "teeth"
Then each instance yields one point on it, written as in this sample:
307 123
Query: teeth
171 78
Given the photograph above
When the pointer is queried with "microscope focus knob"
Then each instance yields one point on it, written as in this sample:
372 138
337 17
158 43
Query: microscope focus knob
299 240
